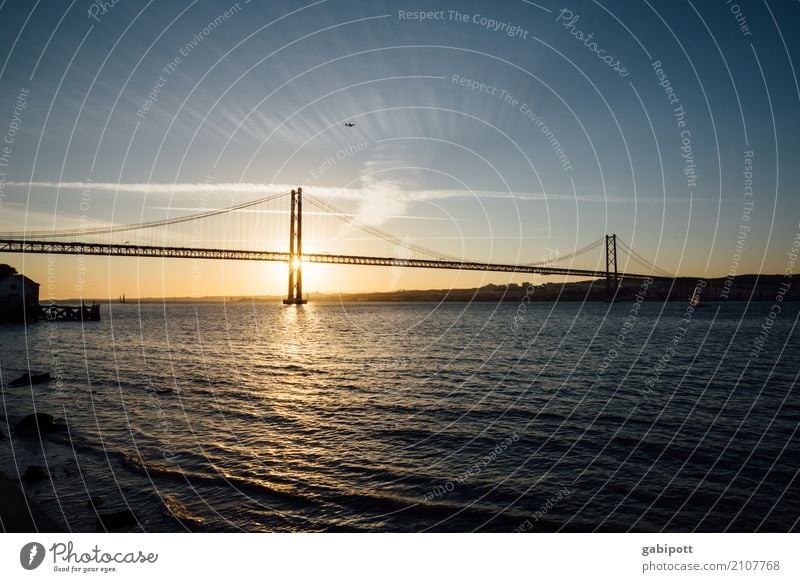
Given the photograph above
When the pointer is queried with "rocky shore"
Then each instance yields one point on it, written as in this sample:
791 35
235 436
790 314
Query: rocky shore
19 514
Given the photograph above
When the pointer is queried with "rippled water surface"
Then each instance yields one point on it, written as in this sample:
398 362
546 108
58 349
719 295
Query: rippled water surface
412 417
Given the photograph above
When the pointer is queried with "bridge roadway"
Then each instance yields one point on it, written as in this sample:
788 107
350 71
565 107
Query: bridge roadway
123 250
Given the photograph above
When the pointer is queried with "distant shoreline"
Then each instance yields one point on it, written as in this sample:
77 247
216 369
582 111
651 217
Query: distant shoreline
746 288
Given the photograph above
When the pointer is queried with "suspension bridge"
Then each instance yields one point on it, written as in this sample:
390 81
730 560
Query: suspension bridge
250 232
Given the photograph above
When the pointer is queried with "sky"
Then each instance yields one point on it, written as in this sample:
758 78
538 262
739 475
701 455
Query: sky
497 131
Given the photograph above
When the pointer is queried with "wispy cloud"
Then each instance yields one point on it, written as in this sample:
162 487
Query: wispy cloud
370 201
370 191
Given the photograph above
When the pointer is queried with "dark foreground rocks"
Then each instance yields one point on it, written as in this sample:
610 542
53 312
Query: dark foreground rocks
116 520
35 473
29 379
39 423
18 514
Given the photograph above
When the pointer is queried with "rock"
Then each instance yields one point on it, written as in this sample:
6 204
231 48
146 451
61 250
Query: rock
35 473
95 501
21 514
39 423
116 519
29 379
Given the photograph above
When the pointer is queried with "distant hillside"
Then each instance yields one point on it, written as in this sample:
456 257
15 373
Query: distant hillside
742 288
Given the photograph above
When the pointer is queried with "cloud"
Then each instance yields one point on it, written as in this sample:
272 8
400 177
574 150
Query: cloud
370 194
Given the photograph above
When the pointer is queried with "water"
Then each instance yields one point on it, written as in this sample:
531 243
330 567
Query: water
414 417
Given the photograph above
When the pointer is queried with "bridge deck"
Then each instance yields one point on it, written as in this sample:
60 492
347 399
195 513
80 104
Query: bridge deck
81 248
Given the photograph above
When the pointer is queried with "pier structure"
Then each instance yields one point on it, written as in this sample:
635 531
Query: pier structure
82 312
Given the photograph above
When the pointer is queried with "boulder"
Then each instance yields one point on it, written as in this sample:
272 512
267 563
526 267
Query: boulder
29 379
35 473
95 501
40 423
116 519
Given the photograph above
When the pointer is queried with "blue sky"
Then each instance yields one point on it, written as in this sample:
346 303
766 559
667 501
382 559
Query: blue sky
258 95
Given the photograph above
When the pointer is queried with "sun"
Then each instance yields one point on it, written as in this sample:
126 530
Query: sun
297 263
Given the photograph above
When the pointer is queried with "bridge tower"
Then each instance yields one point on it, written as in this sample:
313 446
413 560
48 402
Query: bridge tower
296 250
612 278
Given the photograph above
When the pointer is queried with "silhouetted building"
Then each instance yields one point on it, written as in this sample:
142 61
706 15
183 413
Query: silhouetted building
19 296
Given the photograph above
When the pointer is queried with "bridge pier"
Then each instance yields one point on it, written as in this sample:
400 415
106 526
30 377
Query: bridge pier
295 294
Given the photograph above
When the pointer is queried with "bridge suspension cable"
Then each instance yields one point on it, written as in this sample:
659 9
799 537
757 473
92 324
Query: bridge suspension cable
381 234
55 234
569 258
641 261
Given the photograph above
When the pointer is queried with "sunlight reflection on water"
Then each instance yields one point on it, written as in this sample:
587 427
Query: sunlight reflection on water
389 417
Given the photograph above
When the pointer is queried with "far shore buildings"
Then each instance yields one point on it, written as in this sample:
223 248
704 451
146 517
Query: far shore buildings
19 296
